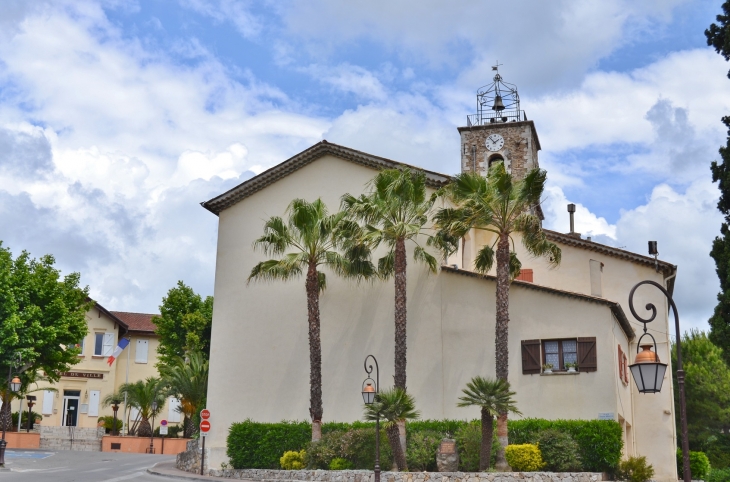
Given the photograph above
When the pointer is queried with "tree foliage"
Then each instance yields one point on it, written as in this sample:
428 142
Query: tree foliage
718 36
141 395
393 405
184 324
187 380
707 382
42 318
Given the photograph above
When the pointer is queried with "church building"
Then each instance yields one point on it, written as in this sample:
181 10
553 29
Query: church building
575 313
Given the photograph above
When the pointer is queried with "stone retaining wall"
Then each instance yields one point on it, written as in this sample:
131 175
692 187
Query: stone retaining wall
71 438
263 475
189 460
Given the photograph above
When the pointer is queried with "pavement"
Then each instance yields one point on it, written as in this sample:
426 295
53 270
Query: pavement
168 469
71 466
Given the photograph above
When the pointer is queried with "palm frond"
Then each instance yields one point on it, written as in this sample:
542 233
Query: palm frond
514 265
420 254
484 260
392 405
492 394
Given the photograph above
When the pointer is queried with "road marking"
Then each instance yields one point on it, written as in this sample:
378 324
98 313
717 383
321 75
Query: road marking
126 477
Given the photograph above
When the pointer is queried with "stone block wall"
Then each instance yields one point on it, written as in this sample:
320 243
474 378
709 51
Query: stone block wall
519 150
189 460
71 438
263 475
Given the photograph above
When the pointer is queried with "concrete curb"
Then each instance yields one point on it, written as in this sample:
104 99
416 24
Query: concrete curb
164 470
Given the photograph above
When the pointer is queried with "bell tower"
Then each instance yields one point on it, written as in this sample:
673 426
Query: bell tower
499 132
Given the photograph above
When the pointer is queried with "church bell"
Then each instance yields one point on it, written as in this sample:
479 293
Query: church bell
498 105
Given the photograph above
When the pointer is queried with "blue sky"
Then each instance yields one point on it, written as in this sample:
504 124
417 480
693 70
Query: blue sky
117 117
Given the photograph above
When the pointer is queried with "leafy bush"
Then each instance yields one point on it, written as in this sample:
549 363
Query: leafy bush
292 460
338 463
717 449
260 445
699 464
357 446
599 441
718 475
524 458
635 469
559 451
24 418
421 450
108 423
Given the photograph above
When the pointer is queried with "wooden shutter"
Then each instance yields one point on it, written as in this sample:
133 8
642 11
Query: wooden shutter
48 397
108 344
140 355
620 363
531 357
94 403
587 360
173 415
525 275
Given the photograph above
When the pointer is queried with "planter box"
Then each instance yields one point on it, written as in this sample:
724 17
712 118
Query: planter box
140 445
23 440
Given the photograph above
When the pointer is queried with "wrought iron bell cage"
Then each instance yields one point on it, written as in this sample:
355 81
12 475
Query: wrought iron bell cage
496 103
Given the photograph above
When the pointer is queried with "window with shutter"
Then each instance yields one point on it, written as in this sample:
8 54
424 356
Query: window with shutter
587 359
94 403
531 357
525 275
108 344
173 413
140 355
48 397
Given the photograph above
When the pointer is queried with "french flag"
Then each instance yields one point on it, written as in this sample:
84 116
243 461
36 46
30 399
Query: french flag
118 350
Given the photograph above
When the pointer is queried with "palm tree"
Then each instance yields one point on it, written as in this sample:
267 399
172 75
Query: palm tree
502 206
141 395
493 396
396 210
114 400
314 237
187 380
393 405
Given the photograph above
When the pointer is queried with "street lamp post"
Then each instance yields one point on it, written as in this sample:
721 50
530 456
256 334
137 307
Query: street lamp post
14 386
115 408
369 396
31 402
648 371
152 437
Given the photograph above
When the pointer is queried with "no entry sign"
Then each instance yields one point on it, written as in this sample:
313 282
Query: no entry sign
205 414
204 427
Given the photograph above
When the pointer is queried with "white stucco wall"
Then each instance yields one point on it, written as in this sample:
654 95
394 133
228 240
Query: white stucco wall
259 354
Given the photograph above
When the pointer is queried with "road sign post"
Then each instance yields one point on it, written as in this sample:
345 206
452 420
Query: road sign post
204 429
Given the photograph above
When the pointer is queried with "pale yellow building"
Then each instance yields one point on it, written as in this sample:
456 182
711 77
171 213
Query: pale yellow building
259 365
81 391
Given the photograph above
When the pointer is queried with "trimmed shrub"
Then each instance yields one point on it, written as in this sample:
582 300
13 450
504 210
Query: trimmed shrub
717 449
293 460
635 469
356 446
253 445
524 458
559 451
338 463
421 450
699 464
719 475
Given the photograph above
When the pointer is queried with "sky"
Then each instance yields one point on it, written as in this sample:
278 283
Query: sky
118 117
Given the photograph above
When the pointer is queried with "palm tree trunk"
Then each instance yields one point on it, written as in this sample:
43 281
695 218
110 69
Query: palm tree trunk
144 430
315 353
501 340
6 418
400 313
188 427
485 456
398 455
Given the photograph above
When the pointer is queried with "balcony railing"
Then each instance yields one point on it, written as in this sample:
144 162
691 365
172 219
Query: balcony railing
494 117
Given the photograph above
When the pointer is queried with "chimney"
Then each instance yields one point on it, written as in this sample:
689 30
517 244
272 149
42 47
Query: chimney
571 210
653 251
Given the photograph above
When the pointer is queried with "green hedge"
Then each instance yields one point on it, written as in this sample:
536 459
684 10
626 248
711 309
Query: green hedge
261 445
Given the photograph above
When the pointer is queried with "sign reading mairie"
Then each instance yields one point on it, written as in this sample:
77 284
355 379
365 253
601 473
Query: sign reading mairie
82 375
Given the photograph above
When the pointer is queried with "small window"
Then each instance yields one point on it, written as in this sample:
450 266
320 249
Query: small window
559 352
141 354
525 275
98 344
80 346
103 344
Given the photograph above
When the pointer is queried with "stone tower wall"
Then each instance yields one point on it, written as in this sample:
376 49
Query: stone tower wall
519 151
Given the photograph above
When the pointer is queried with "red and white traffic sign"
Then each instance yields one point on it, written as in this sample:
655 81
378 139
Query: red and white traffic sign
204 427
205 414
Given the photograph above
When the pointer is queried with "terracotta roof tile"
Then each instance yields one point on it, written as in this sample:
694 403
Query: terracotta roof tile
136 321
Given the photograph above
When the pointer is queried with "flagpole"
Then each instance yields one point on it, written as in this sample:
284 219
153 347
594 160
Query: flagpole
124 419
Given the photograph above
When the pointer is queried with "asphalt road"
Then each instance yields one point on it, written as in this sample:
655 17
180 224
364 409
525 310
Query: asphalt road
63 466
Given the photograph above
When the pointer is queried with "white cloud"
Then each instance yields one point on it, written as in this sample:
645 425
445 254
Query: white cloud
350 79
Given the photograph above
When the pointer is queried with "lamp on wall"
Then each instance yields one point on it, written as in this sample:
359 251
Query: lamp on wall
648 372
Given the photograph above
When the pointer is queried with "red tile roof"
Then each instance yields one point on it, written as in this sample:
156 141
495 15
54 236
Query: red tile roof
136 321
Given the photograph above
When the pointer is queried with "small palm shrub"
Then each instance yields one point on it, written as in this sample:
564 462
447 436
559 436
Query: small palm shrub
108 423
338 463
718 475
292 460
559 451
524 458
421 450
635 469
699 464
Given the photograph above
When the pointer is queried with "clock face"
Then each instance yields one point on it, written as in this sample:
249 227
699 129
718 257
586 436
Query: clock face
494 142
